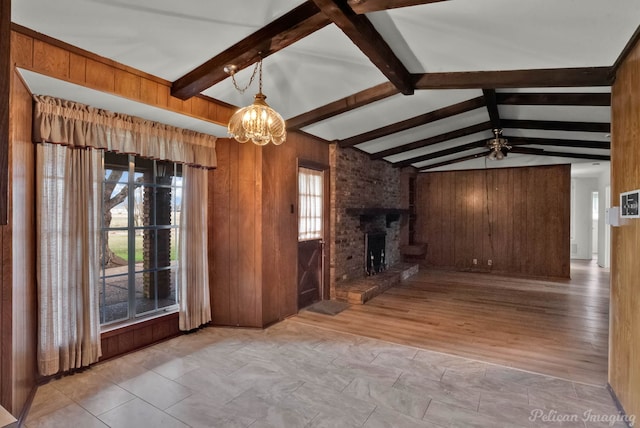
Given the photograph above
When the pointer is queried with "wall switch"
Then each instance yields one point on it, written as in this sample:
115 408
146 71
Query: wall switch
489 262
475 261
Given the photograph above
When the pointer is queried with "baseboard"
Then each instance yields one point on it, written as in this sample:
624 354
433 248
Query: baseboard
25 409
629 421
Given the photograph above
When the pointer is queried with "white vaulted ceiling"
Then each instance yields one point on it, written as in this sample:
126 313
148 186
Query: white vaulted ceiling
168 39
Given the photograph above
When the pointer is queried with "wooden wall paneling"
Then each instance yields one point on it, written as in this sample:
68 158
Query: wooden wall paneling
287 222
245 225
51 60
24 299
21 50
527 208
77 68
54 58
220 236
448 249
624 371
270 256
5 228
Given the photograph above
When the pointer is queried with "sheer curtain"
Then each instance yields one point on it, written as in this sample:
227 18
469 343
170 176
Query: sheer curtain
68 193
70 174
195 309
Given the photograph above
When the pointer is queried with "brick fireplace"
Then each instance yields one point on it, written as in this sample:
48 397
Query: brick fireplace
366 198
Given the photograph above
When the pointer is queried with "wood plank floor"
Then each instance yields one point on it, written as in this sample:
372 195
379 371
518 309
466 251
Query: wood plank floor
557 328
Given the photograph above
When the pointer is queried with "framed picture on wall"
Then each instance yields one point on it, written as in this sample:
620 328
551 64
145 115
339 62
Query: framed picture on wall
629 204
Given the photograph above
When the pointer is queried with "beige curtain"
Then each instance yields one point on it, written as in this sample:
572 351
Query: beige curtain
195 309
68 221
70 123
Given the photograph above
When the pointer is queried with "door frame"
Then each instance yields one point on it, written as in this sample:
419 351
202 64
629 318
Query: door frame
326 224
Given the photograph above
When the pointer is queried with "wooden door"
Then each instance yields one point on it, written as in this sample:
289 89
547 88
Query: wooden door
309 272
310 235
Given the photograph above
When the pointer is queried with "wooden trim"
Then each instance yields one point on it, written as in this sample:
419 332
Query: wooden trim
50 57
420 120
555 99
518 141
366 6
635 39
5 94
309 164
22 418
429 142
132 337
365 36
284 31
540 78
343 105
492 107
551 125
87 54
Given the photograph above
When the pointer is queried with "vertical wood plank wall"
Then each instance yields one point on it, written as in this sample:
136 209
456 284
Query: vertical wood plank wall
624 337
18 316
5 79
280 222
253 231
41 54
516 217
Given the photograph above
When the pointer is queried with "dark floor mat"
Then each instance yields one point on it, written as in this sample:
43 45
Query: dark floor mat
327 307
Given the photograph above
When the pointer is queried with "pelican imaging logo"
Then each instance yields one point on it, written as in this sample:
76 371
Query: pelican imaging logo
555 417
629 204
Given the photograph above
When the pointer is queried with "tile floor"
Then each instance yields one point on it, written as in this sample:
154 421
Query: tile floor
295 375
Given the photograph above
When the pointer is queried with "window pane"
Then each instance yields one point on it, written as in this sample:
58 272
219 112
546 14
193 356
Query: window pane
310 205
116 250
114 298
140 236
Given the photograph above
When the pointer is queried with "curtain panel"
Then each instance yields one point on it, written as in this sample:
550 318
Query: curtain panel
78 125
195 307
69 196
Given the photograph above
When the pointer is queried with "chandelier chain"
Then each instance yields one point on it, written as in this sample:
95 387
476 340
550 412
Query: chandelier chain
251 79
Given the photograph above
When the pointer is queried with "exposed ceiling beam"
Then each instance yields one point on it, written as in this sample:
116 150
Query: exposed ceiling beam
520 141
541 152
365 36
492 107
536 78
366 6
420 120
343 105
555 99
452 161
428 142
551 125
284 31
453 150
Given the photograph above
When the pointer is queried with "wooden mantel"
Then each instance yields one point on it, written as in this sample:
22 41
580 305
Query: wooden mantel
367 214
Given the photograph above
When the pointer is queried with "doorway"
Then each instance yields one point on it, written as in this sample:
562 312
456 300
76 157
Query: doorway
311 199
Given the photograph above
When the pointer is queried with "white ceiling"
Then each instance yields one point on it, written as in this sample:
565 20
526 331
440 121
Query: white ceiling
168 39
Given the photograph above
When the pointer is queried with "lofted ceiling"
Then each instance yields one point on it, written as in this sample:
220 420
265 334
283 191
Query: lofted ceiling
416 83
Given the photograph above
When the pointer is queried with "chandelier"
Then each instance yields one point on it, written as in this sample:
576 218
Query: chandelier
257 122
498 146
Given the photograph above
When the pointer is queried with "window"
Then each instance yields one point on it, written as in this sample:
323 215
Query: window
310 212
139 244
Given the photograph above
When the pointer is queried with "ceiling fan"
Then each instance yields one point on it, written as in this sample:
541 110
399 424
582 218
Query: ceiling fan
498 147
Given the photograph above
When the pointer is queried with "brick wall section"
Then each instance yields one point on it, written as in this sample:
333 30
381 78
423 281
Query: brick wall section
359 182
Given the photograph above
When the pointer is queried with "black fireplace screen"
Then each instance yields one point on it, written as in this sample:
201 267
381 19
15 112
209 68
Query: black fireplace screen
375 261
